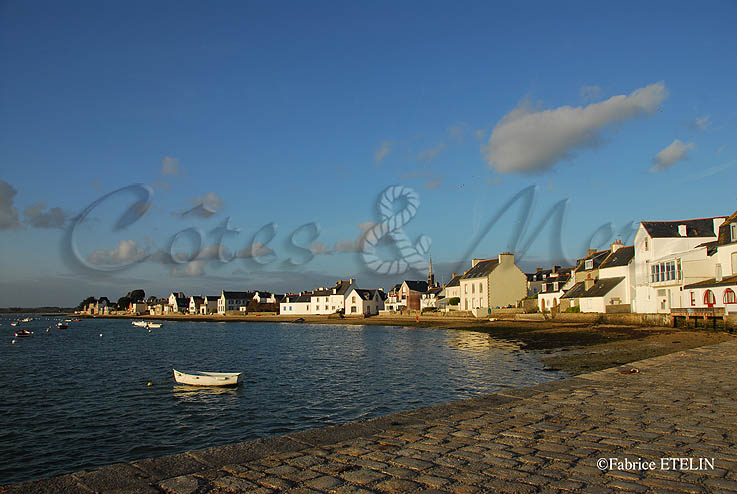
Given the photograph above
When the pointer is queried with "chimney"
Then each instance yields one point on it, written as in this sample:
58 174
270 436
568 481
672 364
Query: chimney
507 257
352 281
590 252
474 262
616 245
587 284
555 269
682 230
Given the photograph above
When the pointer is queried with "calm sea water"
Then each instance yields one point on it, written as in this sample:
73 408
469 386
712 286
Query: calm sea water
72 399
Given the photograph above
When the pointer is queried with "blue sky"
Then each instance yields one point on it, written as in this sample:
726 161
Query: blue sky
301 113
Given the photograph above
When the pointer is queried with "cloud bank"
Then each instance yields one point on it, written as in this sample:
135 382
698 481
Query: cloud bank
8 214
36 217
126 251
675 152
528 141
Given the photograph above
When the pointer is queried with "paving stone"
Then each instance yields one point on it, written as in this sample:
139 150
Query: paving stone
363 476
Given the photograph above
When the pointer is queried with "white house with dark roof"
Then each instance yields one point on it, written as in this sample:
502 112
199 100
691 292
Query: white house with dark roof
555 284
668 257
432 297
195 302
178 302
492 283
717 294
263 297
233 301
331 300
360 301
298 305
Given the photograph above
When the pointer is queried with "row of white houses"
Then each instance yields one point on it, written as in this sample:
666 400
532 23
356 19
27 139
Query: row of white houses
345 297
673 267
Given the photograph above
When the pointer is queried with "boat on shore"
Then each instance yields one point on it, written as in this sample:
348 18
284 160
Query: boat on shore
195 378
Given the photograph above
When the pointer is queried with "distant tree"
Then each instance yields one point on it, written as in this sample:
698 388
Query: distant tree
124 302
84 303
454 300
137 295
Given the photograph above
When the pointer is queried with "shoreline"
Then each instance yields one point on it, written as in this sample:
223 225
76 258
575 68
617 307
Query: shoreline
572 347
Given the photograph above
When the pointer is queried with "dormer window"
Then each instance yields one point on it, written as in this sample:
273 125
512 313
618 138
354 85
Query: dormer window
589 264
733 231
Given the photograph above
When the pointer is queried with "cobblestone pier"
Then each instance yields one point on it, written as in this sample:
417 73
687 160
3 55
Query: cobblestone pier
546 438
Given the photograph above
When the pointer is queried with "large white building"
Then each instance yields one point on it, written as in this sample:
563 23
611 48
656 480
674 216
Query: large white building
296 304
668 256
492 283
233 301
331 300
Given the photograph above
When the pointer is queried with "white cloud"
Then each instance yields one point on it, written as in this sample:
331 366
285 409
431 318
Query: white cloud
701 124
589 93
432 153
384 149
192 268
53 218
457 130
353 245
126 251
676 151
170 166
526 140
319 248
205 206
8 214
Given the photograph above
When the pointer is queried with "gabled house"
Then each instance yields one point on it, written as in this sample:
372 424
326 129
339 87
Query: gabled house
195 302
410 294
178 302
555 283
360 301
209 304
432 297
393 300
492 283
233 301
263 297
331 300
668 256
716 295
298 304
453 291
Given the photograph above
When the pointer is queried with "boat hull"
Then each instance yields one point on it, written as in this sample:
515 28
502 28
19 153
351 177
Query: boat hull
208 378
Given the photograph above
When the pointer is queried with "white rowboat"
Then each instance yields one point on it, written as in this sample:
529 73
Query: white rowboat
208 378
140 324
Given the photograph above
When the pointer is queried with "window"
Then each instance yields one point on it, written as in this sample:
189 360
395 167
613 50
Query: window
353 308
353 299
733 231
646 246
589 264
665 271
693 300
709 299
473 288
729 296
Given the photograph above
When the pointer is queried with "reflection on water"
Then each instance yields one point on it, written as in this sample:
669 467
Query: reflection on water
83 400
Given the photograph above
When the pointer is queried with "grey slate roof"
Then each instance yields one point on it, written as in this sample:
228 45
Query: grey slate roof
454 281
703 227
621 257
237 295
364 294
417 286
713 283
576 290
602 287
481 269
597 257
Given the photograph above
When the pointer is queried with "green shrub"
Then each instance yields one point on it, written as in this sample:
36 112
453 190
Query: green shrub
454 301
575 309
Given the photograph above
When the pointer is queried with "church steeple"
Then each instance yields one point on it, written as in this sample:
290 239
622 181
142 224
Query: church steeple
430 277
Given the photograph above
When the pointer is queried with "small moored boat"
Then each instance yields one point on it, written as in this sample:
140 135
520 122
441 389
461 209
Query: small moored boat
23 333
154 325
140 324
61 325
208 378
